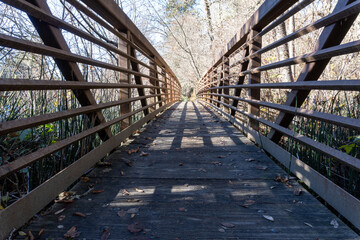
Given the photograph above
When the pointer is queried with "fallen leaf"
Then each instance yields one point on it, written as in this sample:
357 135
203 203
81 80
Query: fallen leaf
127 161
135 227
60 226
121 213
227 224
131 151
31 236
134 200
125 192
270 218
202 170
250 159
122 173
334 223
21 233
308 224
60 211
85 179
221 230
136 132
72 233
297 192
64 201
61 218
272 187
105 234
262 167
149 138
133 215
144 154
139 190
133 210
248 203
41 232
97 191
186 185
79 214
104 164
182 209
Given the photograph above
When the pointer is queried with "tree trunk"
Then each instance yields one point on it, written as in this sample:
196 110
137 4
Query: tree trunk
283 53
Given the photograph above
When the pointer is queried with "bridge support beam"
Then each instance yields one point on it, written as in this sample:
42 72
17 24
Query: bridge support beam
254 78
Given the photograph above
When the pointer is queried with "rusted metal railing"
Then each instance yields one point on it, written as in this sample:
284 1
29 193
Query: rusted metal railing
147 87
240 68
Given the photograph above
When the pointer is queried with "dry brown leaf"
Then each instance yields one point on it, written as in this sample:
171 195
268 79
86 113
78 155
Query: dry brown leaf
132 215
85 179
72 233
61 218
104 164
21 233
97 191
31 236
79 214
135 228
139 190
41 232
125 192
182 209
149 138
105 234
131 151
122 173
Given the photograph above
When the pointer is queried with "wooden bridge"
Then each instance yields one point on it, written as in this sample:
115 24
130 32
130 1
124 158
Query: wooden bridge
216 168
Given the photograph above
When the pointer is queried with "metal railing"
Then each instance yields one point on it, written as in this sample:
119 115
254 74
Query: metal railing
145 86
240 68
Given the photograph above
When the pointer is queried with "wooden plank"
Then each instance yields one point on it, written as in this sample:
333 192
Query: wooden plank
25 208
346 204
206 191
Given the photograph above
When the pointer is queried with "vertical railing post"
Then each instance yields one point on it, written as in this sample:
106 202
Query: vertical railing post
164 85
221 82
125 93
153 74
226 82
254 78
213 79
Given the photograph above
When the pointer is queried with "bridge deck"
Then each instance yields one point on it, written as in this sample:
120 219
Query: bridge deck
201 179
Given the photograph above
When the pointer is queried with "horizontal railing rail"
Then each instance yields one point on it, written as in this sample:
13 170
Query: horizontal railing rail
105 92
283 117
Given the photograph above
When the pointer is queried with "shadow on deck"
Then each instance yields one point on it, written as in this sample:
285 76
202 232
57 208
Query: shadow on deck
201 179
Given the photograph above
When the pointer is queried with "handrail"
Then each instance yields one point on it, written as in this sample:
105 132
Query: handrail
240 66
127 92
